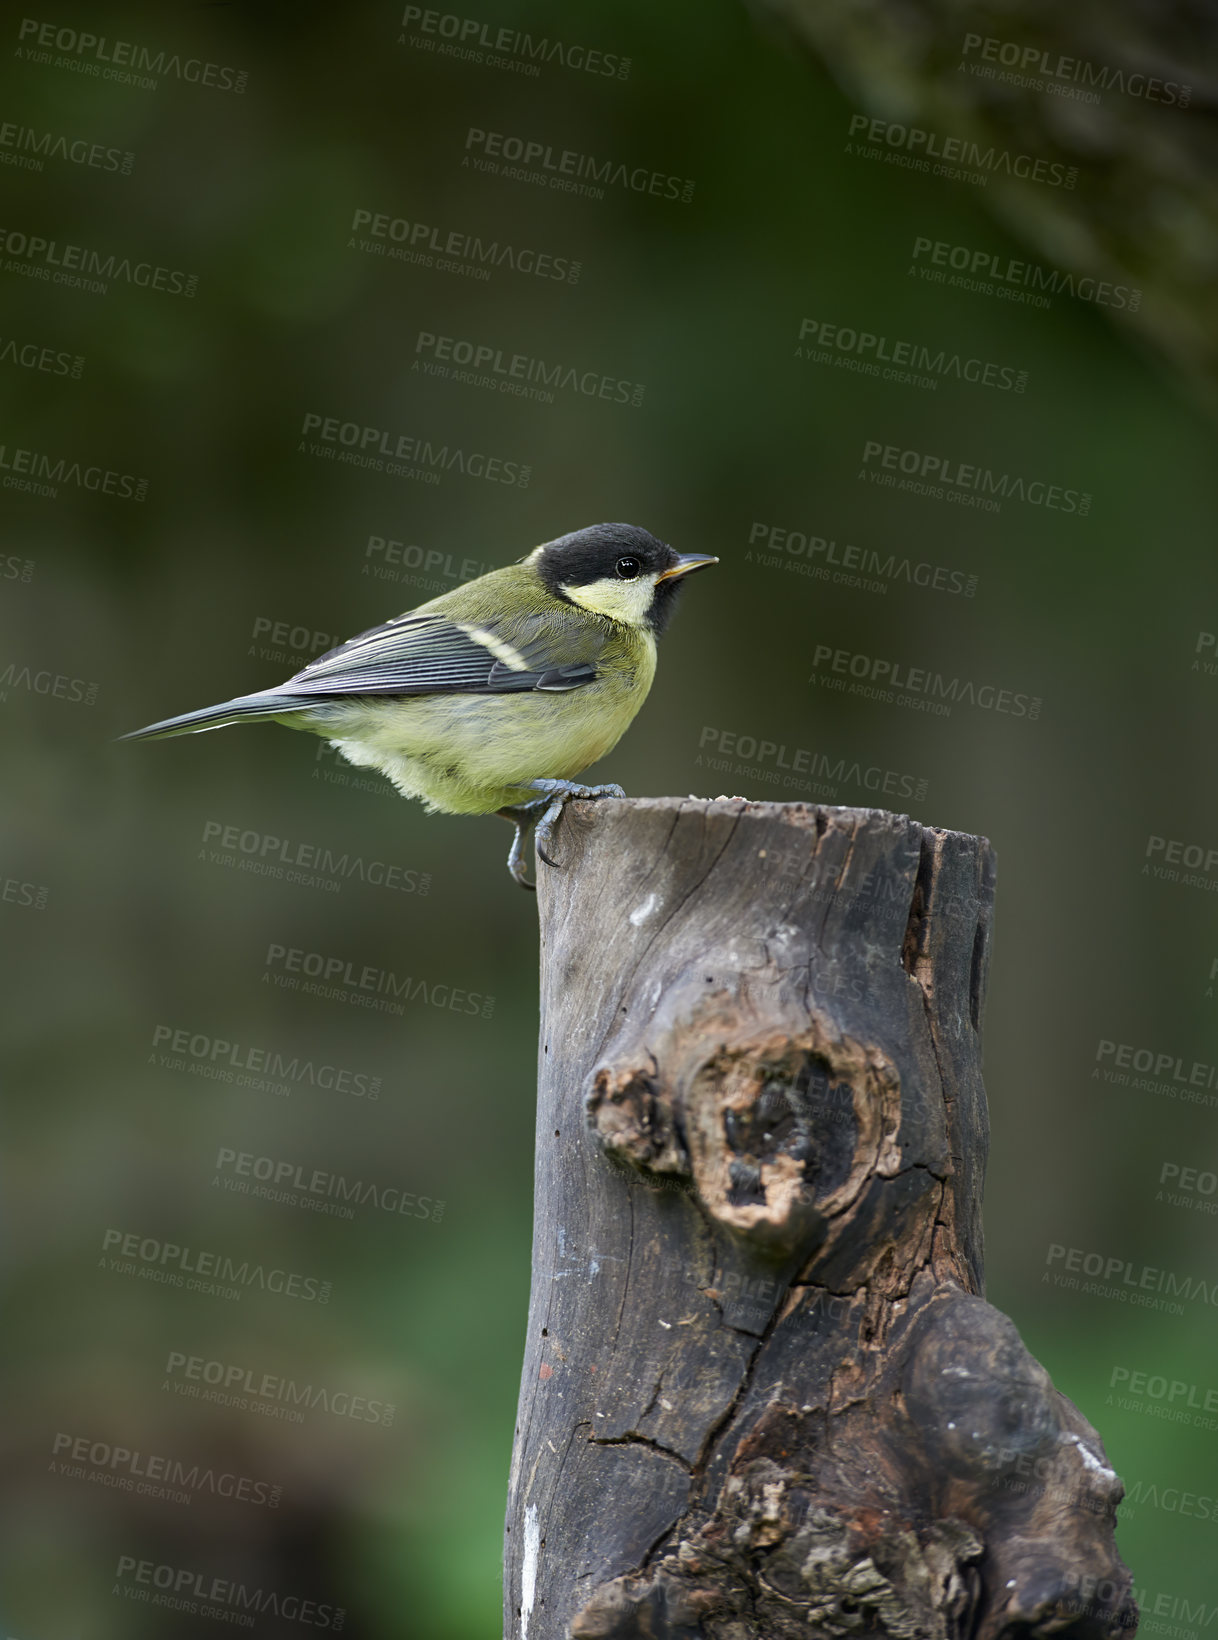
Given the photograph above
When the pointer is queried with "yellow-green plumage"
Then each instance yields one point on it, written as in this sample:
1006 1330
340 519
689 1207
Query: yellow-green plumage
492 697
471 754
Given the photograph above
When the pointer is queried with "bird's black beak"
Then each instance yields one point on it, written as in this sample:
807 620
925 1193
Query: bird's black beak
683 565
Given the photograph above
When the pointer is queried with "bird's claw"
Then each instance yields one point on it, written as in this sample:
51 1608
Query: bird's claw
522 818
543 837
516 863
542 816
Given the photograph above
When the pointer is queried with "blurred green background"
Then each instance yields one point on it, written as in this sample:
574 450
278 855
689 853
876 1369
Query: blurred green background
120 927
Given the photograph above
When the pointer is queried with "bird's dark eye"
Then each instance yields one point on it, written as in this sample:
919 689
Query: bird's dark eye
628 568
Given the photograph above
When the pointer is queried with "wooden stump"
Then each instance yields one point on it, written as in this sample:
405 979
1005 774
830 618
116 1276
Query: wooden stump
762 1396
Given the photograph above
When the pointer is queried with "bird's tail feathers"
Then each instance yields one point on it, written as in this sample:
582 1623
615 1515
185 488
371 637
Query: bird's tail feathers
244 709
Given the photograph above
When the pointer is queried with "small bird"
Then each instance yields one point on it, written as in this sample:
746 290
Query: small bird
490 698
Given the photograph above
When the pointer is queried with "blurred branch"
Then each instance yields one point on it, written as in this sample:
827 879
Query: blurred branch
1126 91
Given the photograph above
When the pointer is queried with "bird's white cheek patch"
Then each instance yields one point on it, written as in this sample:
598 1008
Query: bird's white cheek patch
627 601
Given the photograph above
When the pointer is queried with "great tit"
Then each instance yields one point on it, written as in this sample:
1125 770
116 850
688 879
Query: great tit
490 698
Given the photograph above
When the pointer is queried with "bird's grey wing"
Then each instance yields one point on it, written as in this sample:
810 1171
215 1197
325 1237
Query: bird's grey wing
428 654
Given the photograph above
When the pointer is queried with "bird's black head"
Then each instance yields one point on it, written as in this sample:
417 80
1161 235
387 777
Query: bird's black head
618 571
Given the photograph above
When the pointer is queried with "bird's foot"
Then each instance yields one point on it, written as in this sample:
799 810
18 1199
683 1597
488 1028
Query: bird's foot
541 816
524 817
560 793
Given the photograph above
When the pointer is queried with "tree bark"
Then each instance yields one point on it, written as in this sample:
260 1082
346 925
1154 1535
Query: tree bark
762 1394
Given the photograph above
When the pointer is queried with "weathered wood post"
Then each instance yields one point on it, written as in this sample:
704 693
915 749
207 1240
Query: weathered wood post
762 1396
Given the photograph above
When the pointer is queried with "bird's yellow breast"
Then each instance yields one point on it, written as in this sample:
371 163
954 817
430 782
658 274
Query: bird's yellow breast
472 754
